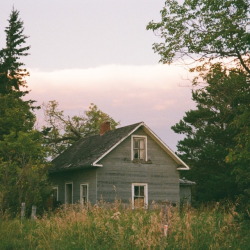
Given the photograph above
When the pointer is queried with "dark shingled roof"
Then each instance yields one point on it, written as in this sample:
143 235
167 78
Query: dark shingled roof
83 153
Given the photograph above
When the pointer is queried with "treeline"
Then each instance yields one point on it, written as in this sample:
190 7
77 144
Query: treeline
213 39
214 36
25 150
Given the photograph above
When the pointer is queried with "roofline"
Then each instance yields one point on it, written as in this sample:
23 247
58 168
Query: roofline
182 164
96 165
125 137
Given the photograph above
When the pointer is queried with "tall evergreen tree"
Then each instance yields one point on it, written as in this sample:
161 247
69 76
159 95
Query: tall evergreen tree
12 73
16 114
23 172
210 132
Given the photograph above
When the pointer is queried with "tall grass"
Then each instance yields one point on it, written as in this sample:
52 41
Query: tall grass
116 227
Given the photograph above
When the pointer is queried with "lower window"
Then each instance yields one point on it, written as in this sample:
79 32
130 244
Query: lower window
84 193
139 195
55 193
69 193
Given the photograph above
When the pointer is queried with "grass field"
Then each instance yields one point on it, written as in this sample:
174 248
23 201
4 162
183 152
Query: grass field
115 227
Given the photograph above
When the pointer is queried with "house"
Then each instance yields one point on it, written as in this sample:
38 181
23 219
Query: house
130 163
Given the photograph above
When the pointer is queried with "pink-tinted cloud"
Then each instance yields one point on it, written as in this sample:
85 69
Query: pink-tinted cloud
151 93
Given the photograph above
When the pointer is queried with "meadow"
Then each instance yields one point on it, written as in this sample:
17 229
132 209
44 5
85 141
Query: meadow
117 227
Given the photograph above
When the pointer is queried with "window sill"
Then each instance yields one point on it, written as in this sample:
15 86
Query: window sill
142 161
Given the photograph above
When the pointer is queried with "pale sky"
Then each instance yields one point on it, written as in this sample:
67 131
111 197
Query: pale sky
99 51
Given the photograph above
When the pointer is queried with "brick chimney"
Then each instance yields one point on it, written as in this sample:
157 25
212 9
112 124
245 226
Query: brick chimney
105 127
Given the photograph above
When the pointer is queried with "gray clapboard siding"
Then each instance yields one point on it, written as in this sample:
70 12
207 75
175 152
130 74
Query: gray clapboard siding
115 178
77 177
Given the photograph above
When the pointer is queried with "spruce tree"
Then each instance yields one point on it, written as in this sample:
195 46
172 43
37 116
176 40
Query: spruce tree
12 73
23 164
15 113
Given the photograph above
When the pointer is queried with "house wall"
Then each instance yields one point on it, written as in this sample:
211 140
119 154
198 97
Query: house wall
115 178
77 177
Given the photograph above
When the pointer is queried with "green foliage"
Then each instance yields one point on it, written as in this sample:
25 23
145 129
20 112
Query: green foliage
11 72
61 130
15 115
116 228
204 30
215 35
213 131
239 158
23 169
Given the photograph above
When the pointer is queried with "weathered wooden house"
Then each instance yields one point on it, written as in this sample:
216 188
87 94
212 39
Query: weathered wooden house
130 163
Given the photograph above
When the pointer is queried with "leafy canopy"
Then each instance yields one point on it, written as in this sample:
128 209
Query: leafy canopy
62 130
215 35
204 30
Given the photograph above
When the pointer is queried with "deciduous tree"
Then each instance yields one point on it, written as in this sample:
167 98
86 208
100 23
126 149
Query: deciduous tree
204 30
215 35
62 130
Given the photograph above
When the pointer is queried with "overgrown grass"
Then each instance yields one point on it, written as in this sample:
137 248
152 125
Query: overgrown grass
116 227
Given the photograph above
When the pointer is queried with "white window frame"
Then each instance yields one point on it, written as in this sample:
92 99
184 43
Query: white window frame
56 188
87 185
65 198
132 146
145 185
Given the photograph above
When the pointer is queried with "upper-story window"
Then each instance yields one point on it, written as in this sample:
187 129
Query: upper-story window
139 147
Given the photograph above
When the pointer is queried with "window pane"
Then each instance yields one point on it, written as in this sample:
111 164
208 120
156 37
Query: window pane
139 202
136 143
136 154
141 191
84 190
136 190
142 143
142 154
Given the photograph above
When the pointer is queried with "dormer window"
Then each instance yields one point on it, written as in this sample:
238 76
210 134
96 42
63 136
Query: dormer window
139 148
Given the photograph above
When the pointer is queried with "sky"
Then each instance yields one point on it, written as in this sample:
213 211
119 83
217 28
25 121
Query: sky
99 51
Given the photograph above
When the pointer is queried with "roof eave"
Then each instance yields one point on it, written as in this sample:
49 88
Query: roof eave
183 168
183 165
95 164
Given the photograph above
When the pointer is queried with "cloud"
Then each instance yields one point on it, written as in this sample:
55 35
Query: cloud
150 93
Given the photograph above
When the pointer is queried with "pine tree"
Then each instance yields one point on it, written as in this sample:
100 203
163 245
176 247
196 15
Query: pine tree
23 165
12 74
210 133
16 114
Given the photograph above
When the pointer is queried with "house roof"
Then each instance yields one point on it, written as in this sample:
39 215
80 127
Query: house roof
185 182
88 151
